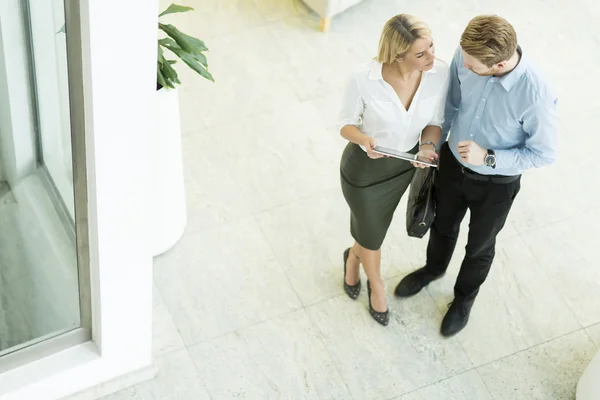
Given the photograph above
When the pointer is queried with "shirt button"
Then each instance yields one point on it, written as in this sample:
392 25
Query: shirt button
471 135
477 117
483 99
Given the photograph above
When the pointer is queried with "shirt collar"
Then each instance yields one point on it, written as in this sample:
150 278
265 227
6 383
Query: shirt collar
376 68
509 80
375 72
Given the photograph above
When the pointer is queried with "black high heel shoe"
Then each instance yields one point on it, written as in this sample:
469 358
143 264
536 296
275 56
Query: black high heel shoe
354 290
382 317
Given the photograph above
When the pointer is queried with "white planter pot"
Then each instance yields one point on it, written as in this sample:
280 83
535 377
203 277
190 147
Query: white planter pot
168 194
588 387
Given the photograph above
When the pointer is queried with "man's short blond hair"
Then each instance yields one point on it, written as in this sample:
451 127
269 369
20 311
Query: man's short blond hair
490 39
399 33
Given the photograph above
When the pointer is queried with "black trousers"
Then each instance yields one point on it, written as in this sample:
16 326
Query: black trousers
489 204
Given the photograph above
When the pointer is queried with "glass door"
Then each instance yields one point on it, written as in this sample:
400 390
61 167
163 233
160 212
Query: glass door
44 287
49 59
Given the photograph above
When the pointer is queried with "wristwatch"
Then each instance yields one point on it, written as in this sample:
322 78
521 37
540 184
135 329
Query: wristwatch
490 159
427 142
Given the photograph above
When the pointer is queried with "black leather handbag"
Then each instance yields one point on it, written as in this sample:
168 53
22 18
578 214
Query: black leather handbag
420 210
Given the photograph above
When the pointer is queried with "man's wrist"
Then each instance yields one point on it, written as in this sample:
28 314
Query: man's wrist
489 159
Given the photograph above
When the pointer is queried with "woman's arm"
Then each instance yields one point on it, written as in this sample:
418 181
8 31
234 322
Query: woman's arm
352 134
350 116
430 137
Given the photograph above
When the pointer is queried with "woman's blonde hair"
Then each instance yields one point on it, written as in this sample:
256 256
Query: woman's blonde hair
399 33
490 39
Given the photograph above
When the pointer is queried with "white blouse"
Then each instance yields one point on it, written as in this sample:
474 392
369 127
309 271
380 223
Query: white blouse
371 104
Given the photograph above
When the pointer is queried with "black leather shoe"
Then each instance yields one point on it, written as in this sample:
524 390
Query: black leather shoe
382 317
457 317
412 283
354 290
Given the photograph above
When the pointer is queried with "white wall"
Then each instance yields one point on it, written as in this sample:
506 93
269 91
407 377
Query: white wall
17 140
120 83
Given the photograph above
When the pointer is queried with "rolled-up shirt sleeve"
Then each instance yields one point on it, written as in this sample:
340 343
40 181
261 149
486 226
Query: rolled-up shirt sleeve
540 124
352 105
438 115
453 96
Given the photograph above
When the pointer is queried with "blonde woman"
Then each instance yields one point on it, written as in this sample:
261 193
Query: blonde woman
394 101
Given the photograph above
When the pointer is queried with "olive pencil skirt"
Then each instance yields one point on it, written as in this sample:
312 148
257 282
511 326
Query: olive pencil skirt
372 188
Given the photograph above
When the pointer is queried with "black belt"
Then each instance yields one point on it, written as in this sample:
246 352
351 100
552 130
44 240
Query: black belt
488 178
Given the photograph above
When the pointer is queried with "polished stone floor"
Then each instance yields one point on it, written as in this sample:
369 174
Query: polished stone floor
249 305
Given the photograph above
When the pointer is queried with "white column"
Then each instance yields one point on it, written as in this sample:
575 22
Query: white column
120 68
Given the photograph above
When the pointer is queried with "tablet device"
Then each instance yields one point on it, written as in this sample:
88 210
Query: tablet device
404 156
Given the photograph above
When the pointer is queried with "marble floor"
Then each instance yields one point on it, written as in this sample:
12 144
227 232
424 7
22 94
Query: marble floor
249 305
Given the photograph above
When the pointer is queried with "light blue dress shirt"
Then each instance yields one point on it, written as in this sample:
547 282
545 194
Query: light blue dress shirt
514 115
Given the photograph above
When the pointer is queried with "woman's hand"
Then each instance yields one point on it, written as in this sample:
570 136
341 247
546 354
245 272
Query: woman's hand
428 152
370 144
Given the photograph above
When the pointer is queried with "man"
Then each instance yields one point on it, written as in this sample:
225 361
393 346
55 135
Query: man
501 115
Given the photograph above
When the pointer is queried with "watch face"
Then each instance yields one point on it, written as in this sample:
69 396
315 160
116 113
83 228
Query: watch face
490 160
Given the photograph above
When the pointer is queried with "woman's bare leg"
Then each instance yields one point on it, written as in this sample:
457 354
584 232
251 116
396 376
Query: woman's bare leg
371 262
353 266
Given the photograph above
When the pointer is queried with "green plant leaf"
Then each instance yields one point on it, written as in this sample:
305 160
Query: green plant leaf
185 47
174 8
196 66
190 60
161 78
164 66
206 75
186 42
163 81
167 42
201 58
171 45
161 54
170 73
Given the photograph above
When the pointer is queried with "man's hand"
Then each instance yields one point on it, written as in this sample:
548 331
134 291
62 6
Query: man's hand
471 153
